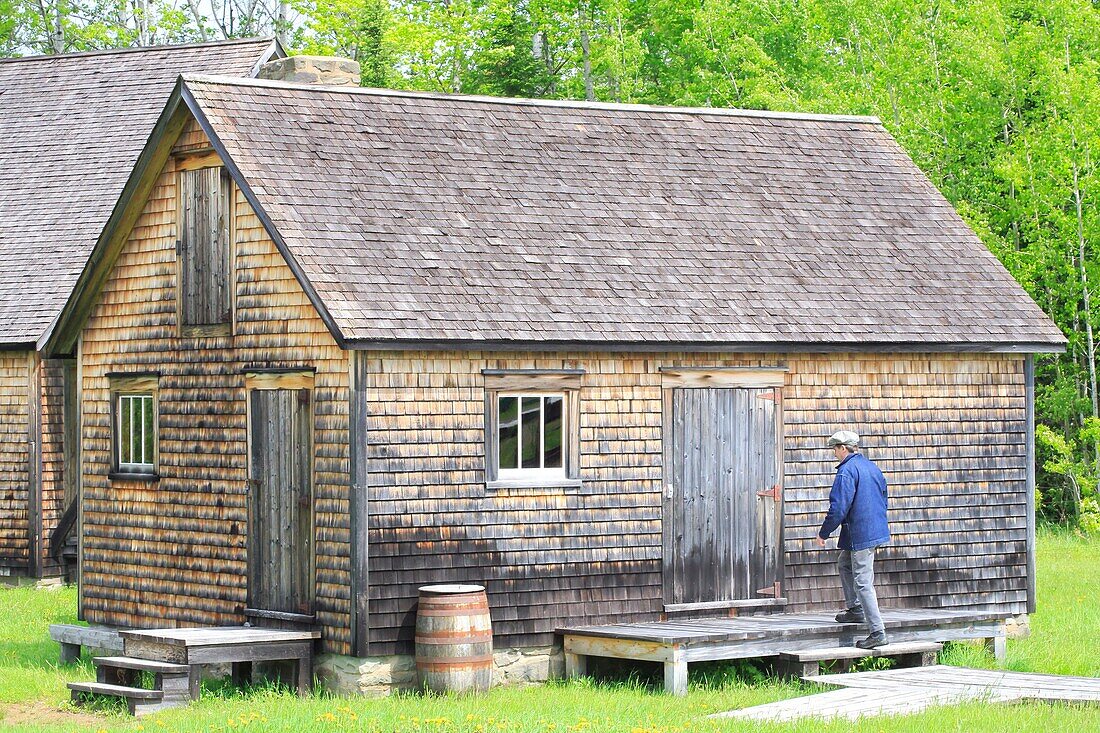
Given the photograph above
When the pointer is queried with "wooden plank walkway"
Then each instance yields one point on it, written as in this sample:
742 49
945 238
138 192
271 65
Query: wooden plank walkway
680 642
903 691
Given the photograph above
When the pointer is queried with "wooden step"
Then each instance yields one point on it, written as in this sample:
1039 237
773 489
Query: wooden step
144 665
138 700
852 652
908 647
827 653
102 688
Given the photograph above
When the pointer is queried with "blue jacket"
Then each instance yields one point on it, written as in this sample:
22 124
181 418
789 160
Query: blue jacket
857 504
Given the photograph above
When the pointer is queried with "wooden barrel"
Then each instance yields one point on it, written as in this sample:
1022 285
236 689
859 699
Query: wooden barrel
454 639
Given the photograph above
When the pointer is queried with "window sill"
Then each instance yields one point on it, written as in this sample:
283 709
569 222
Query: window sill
147 478
534 483
214 330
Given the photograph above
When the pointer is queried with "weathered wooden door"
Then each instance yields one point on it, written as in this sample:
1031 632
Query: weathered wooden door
280 537
723 513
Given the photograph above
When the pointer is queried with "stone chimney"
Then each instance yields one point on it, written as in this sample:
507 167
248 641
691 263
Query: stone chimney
328 71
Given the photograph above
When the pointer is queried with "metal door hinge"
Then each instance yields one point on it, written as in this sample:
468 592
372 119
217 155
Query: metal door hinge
774 590
775 492
771 394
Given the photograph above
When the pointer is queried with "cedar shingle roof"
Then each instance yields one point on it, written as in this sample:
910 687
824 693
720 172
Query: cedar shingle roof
474 221
73 126
443 218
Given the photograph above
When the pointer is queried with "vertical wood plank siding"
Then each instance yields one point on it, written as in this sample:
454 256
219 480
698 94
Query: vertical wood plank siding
948 431
173 551
15 458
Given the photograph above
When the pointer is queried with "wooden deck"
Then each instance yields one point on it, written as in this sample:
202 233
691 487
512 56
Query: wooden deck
678 643
175 657
903 691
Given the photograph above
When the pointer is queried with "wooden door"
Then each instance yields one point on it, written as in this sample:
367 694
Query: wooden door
723 503
280 537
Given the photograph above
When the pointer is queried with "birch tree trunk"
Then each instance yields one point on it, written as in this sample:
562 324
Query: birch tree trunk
193 7
586 54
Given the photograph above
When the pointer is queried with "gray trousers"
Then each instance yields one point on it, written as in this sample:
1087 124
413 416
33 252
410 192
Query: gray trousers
857 577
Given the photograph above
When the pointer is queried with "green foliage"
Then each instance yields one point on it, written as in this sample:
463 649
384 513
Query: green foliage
355 29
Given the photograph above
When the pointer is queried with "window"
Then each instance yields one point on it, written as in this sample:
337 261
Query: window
203 251
529 435
134 426
532 435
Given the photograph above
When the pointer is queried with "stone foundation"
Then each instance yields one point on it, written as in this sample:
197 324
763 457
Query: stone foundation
1018 627
384 675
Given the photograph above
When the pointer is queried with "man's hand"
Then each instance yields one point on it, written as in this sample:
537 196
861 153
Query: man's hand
820 542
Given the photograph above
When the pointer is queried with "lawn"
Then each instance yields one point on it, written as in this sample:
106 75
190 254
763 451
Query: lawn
1065 640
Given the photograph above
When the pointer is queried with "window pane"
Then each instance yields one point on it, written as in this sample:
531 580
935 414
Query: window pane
135 430
150 430
508 420
123 430
532 419
551 432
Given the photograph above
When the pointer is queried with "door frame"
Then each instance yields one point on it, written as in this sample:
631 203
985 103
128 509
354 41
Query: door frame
271 380
677 377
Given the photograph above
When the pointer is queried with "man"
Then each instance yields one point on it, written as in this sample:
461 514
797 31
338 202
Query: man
857 504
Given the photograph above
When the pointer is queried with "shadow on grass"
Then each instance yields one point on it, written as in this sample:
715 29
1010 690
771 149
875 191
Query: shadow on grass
649 676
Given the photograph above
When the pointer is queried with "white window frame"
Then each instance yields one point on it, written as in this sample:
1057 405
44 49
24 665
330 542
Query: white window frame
542 473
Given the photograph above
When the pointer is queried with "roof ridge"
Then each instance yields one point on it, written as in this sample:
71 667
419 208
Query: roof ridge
137 49
524 101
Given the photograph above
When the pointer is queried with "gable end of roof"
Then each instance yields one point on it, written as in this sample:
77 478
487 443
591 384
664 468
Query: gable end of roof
60 339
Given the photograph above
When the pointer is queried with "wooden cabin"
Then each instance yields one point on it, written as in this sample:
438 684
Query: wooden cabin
74 125
334 345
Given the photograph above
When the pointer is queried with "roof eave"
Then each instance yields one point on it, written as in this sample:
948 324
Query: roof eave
759 347
18 346
60 338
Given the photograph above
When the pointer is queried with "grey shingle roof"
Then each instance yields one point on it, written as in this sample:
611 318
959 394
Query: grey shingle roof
449 218
72 128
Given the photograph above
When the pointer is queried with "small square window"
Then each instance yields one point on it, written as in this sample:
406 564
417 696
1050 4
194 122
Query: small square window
529 436
137 433
134 427
532 428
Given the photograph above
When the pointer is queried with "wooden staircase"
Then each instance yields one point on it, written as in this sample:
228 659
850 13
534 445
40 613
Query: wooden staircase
174 659
172 686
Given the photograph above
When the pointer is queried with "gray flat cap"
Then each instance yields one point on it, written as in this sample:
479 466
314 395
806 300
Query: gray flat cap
844 437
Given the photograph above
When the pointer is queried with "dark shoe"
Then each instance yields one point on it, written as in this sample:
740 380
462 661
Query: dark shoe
850 617
874 640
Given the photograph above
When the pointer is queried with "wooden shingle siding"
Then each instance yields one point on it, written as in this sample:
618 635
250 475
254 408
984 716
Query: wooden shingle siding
947 430
51 375
15 458
949 434
174 551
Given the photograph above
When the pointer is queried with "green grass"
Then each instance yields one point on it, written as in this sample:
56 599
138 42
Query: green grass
1065 640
